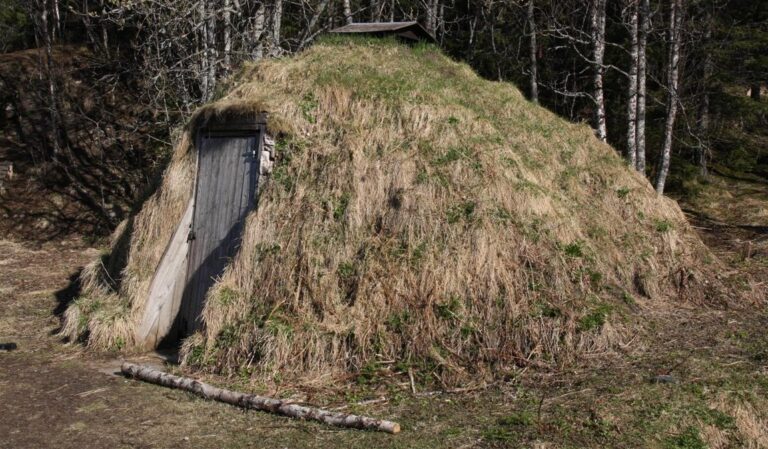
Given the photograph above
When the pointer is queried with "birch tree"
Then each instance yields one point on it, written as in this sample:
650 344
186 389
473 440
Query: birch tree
227 16
533 50
598 52
347 11
632 16
277 23
674 34
642 64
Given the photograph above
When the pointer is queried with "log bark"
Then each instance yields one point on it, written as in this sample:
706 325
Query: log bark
255 402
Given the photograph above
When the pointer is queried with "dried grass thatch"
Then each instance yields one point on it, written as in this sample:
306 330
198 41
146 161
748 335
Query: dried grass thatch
417 214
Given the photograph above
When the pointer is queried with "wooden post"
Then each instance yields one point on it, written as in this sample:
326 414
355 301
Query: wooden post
256 402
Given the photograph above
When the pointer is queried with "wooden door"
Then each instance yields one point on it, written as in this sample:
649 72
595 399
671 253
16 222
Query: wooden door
227 180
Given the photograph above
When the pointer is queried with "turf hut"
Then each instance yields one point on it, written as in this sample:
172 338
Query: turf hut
416 213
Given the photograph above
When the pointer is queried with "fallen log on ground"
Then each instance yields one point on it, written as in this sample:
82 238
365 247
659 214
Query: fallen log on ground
256 402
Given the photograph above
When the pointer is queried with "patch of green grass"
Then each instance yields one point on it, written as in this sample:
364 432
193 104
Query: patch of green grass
196 356
688 439
227 296
523 418
278 326
502 214
308 106
623 192
396 322
264 250
346 270
628 299
227 337
547 311
509 428
574 249
663 225
453 154
722 421
340 206
449 310
119 344
594 318
368 374
464 210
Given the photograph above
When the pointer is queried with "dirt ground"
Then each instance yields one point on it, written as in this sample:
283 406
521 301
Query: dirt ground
54 394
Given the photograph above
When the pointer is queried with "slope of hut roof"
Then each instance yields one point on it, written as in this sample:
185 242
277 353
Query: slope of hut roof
410 31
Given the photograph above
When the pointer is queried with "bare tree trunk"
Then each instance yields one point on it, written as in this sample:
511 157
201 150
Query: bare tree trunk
391 11
642 63
258 32
104 31
598 40
56 28
754 91
432 8
277 21
227 16
673 74
534 75
212 53
702 149
309 31
46 35
632 10
204 71
376 10
347 11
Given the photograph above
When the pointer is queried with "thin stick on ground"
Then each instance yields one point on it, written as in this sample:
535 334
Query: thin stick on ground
256 402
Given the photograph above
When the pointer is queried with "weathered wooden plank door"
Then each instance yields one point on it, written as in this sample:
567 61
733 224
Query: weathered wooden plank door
227 180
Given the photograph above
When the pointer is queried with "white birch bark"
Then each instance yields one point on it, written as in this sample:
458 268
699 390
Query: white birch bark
212 53
642 64
598 40
673 74
204 71
256 402
534 70
258 32
347 11
227 16
632 11
277 22
432 8
310 31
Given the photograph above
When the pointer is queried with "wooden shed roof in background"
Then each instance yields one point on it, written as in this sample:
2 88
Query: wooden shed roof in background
412 31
